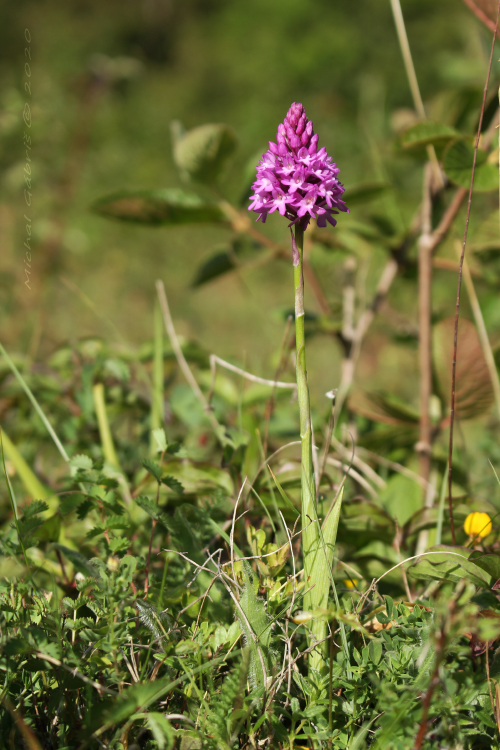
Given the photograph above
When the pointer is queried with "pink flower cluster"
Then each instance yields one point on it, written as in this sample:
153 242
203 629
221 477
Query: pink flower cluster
295 178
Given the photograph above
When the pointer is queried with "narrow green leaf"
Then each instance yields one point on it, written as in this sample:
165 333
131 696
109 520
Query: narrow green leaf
80 563
158 438
283 494
217 265
219 530
32 484
321 570
108 446
35 403
167 206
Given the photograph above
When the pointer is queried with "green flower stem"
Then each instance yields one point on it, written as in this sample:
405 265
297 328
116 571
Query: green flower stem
317 545
310 531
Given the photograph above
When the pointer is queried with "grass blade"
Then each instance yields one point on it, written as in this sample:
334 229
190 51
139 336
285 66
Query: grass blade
35 403
31 483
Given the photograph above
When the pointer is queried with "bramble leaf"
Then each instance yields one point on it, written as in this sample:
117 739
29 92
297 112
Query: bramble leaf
457 163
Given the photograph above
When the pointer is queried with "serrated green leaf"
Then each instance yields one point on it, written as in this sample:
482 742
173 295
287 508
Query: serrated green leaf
152 468
173 484
112 522
457 163
32 509
152 510
27 526
201 153
84 508
75 604
81 461
200 476
167 206
148 505
119 544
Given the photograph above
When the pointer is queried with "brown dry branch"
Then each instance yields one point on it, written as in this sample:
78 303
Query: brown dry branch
424 445
181 360
485 10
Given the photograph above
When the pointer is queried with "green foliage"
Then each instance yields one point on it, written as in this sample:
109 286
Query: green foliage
415 139
168 206
201 153
255 625
161 605
457 163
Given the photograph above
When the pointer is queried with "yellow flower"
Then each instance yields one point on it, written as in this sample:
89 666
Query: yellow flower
350 584
478 525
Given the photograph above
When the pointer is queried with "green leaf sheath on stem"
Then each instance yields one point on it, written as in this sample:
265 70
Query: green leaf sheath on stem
310 531
108 447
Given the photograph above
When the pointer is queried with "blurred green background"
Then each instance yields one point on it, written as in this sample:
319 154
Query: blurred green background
107 80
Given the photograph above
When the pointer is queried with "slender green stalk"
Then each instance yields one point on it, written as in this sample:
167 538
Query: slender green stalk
317 544
157 395
108 447
310 531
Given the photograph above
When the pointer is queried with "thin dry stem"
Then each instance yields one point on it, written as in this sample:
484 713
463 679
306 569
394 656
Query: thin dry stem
414 87
181 360
215 360
424 445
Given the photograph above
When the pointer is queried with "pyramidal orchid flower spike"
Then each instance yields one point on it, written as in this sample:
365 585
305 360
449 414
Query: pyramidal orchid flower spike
301 182
295 178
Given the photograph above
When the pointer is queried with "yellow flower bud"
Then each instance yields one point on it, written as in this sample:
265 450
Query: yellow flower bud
478 525
113 563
